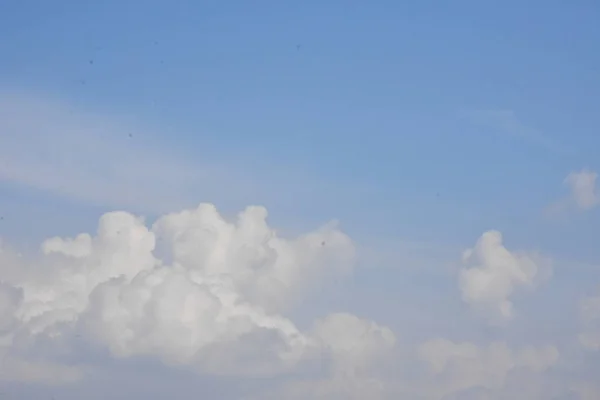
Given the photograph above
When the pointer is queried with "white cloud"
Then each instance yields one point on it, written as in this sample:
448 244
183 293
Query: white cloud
215 306
583 196
214 296
491 274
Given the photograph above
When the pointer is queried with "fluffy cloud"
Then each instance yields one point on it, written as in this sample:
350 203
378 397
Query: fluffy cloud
491 274
213 303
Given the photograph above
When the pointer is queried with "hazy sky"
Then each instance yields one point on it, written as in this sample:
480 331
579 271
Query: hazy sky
300 200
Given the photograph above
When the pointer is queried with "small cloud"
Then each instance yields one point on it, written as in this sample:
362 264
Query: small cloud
218 308
492 273
583 188
583 194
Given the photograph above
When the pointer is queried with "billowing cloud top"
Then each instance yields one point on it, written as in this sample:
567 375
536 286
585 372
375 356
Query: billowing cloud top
216 300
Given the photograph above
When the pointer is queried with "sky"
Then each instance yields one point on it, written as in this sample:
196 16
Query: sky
288 200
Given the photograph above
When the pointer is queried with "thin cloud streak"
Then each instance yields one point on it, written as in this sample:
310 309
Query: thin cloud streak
508 123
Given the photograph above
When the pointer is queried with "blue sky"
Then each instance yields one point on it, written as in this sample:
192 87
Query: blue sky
417 126
372 99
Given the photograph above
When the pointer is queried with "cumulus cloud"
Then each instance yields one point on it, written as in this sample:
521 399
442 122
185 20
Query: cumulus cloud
216 296
213 304
491 273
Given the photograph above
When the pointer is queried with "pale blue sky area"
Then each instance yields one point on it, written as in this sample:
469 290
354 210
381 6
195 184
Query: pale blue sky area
436 122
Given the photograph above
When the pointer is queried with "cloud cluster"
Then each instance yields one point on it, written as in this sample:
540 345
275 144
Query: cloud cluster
216 305
197 291
215 296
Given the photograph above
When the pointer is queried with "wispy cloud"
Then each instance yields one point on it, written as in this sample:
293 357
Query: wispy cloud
51 146
102 160
507 122
107 161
